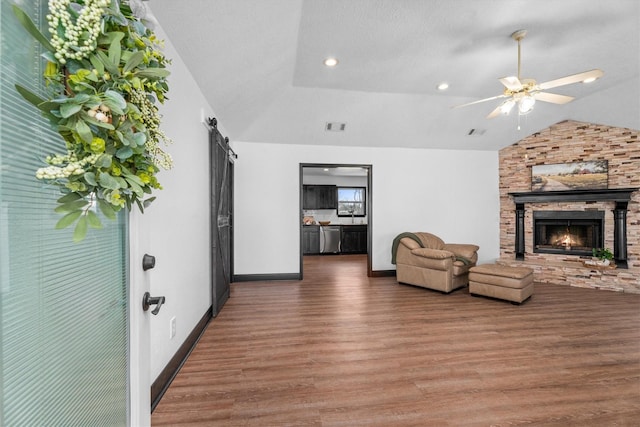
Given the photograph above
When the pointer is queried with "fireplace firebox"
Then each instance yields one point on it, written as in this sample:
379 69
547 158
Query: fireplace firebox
567 232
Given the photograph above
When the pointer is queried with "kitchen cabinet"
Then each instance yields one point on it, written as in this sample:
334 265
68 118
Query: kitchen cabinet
319 197
353 239
310 240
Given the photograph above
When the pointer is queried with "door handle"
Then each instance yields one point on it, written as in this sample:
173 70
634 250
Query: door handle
148 300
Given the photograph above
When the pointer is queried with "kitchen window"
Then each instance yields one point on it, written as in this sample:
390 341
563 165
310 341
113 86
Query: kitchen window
351 201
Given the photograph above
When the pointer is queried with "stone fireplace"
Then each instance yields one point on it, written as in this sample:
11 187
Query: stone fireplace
553 232
568 232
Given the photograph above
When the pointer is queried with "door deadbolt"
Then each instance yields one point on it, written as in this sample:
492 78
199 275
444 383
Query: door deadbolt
148 262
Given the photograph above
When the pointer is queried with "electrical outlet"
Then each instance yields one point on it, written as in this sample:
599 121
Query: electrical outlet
172 327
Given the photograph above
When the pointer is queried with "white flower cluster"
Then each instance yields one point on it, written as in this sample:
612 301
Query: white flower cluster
160 157
77 39
61 167
101 113
151 120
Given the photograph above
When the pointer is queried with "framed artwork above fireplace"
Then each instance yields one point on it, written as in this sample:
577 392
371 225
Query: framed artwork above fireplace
586 175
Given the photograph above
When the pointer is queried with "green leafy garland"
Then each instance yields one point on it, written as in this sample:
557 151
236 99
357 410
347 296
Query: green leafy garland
104 74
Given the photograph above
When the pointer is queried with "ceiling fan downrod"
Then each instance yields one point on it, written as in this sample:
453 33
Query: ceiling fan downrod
517 36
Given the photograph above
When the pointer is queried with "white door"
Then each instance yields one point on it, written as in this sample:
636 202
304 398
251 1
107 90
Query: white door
139 324
63 306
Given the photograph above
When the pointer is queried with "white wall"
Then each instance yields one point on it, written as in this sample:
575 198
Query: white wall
177 222
451 193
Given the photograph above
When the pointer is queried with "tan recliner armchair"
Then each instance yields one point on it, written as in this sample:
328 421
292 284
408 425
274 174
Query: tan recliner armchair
423 259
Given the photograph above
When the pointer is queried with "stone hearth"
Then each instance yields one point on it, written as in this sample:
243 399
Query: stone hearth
569 142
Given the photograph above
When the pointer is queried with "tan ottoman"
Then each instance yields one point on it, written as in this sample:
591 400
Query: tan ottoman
513 284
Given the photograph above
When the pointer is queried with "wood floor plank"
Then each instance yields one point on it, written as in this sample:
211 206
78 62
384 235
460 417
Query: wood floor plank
341 349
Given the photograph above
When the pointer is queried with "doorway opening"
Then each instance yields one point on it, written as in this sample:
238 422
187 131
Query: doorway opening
335 199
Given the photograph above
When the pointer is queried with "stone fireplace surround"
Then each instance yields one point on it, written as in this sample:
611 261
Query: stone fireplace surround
620 196
568 142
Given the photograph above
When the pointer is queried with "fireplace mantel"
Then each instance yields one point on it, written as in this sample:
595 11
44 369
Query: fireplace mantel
611 194
621 196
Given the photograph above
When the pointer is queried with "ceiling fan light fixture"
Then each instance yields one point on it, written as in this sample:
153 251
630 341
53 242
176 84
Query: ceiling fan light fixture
443 86
525 104
507 106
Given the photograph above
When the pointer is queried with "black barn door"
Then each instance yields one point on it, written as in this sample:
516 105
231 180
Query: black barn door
221 216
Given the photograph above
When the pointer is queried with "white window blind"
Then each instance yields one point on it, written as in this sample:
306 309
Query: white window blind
63 306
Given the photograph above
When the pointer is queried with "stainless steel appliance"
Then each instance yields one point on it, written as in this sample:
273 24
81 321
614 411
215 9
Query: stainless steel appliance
329 239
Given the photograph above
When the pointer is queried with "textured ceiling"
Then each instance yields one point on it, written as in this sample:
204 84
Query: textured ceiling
259 64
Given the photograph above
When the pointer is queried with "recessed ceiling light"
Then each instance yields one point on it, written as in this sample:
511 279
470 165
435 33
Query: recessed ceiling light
331 62
589 80
443 86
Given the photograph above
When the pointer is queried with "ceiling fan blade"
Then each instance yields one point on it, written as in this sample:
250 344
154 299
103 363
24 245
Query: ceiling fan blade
479 101
553 98
511 82
574 78
496 112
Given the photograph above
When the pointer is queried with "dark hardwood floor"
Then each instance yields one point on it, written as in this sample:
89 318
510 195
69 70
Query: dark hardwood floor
342 349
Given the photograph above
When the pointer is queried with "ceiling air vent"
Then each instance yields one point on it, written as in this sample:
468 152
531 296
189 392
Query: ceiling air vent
476 132
335 127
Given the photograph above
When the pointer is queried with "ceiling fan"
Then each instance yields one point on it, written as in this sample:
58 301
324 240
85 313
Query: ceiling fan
525 92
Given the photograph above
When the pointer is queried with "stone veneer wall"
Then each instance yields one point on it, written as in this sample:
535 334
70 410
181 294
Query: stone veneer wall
568 142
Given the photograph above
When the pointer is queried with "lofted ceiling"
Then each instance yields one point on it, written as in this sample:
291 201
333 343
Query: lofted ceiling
260 65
